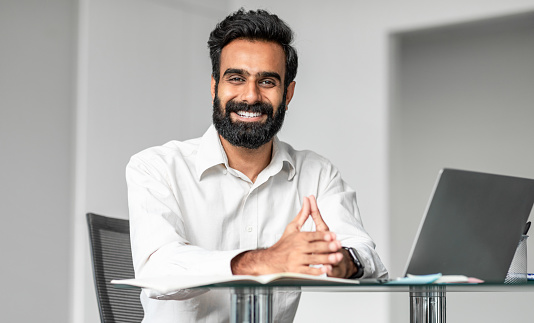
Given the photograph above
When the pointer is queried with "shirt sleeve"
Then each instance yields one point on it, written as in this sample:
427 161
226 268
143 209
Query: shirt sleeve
338 206
159 244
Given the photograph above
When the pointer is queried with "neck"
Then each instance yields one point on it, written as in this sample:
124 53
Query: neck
248 161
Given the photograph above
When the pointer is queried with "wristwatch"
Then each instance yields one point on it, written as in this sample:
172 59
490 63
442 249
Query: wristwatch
355 257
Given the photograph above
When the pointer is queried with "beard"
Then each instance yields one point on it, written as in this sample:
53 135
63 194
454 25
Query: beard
251 135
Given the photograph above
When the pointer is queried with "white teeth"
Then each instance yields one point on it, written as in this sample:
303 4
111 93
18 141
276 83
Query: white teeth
246 114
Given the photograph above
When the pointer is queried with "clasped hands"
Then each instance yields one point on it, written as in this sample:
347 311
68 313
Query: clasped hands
296 250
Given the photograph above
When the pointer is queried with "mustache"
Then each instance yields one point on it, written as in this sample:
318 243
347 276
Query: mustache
262 107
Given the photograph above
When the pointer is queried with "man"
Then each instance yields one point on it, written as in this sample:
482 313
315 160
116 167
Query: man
238 200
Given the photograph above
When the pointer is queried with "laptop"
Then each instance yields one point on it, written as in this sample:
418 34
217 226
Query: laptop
472 225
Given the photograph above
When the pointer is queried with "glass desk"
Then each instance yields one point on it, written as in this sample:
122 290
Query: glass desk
253 303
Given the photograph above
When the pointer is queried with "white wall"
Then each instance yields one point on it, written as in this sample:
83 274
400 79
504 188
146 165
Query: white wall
144 75
463 99
37 49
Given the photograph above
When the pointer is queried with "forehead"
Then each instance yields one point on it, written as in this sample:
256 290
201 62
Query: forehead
253 56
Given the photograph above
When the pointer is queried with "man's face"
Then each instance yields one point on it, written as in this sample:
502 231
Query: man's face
249 101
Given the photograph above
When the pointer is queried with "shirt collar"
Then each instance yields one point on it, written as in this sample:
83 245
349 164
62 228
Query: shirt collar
281 155
211 153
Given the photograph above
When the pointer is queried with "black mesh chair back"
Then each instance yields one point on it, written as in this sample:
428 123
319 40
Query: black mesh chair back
112 259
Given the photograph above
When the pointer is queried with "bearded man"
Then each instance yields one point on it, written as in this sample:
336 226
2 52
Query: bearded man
238 200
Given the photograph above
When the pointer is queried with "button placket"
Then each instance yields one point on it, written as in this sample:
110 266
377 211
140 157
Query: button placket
250 220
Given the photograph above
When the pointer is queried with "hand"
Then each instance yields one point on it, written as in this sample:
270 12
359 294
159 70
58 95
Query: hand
344 268
295 251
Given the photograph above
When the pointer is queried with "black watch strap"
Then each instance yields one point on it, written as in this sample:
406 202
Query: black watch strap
355 257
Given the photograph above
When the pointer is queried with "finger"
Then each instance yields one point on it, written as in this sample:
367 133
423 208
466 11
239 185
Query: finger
316 215
332 259
296 224
311 236
303 214
322 247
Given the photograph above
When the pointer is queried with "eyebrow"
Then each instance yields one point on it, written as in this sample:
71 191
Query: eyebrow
260 74
270 74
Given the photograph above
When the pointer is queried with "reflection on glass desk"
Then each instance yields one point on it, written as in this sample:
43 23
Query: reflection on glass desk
252 301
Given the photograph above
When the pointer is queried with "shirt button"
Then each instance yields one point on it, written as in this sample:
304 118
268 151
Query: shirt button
249 229
225 172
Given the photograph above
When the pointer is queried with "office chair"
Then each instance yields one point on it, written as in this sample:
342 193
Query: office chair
112 259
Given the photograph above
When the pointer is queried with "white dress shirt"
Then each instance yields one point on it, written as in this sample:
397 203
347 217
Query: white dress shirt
191 213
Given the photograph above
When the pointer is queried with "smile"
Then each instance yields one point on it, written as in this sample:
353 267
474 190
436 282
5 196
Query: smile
246 114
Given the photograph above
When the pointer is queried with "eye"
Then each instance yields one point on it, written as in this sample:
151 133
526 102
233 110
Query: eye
236 79
267 83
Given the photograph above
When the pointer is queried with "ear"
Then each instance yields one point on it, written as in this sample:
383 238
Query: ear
212 88
290 92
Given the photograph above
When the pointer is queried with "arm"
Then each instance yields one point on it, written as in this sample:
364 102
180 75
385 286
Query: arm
159 242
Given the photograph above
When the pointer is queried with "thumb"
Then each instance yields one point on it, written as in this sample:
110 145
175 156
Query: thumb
301 217
316 215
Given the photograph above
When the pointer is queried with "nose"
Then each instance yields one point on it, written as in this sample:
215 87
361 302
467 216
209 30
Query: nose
251 93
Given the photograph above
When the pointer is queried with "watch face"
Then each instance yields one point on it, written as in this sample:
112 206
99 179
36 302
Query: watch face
357 262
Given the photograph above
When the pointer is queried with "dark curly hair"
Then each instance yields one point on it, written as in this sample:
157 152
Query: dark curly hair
254 25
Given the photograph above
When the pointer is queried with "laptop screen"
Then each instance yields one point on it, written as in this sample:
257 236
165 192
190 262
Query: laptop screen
472 225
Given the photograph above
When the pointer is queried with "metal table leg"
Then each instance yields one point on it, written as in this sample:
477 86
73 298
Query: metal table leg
427 304
251 305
